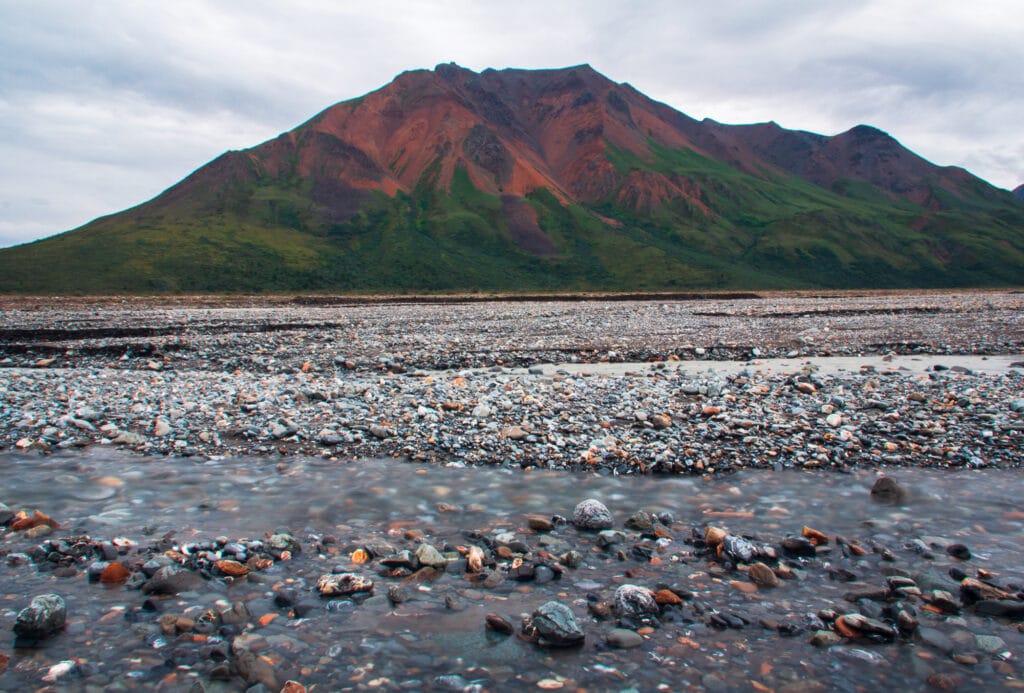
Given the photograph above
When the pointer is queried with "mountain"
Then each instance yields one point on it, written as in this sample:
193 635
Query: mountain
538 180
1019 191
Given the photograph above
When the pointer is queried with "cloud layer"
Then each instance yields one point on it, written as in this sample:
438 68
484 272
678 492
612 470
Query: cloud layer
107 103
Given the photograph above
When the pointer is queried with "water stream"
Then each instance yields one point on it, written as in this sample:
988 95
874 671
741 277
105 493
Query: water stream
429 642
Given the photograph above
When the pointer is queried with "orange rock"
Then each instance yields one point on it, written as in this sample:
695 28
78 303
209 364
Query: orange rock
114 573
360 556
845 629
710 410
713 536
747 587
663 597
817 538
232 568
22 521
293 687
761 574
265 619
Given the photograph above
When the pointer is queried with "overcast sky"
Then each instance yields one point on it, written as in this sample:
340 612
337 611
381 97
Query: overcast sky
103 104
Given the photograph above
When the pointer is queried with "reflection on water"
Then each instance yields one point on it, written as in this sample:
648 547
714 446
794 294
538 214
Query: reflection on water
105 494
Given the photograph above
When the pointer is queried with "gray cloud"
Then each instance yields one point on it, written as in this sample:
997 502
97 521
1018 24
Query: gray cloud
107 103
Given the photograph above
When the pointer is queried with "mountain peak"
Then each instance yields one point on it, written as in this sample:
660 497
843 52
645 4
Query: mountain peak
1019 191
554 179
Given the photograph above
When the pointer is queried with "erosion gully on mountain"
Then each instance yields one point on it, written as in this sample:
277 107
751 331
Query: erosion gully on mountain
786 492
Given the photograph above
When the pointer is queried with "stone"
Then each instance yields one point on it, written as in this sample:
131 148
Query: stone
44 616
641 521
888 490
990 644
1004 608
624 638
343 584
172 580
936 639
429 556
498 624
738 549
959 551
825 638
661 421
761 574
634 602
592 515
554 625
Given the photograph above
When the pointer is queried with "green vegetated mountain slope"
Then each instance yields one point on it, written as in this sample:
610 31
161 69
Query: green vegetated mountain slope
541 180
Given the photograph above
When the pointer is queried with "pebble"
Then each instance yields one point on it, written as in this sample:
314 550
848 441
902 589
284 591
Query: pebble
624 638
592 514
634 602
555 625
343 584
43 617
409 391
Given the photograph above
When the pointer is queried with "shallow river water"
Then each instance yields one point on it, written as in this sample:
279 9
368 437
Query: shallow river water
437 639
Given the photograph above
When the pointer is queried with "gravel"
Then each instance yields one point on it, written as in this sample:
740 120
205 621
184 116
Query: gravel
613 386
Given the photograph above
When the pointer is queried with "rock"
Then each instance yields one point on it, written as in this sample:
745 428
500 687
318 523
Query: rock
713 536
540 523
44 616
661 421
161 428
283 542
231 568
255 670
592 515
634 602
610 537
343 584
381 432
114 573
172 624
825 638
667 597
172 580
429 556
936 639
553 624
738 549
1004 608
641 521
959 551
397 594
499 625
888 490
796 546
761 574
624 638
990 644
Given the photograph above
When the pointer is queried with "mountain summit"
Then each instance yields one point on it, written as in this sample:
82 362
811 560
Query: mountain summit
527 180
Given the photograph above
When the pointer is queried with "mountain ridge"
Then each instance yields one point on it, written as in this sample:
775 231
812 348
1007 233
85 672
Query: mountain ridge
557 179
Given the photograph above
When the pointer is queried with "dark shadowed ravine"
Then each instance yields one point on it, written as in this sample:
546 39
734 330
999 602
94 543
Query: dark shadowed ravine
425 629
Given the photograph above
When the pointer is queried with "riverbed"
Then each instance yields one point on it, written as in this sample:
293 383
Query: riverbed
437 638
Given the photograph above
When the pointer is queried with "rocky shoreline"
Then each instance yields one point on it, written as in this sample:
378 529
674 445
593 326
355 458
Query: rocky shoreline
139 439
479 384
